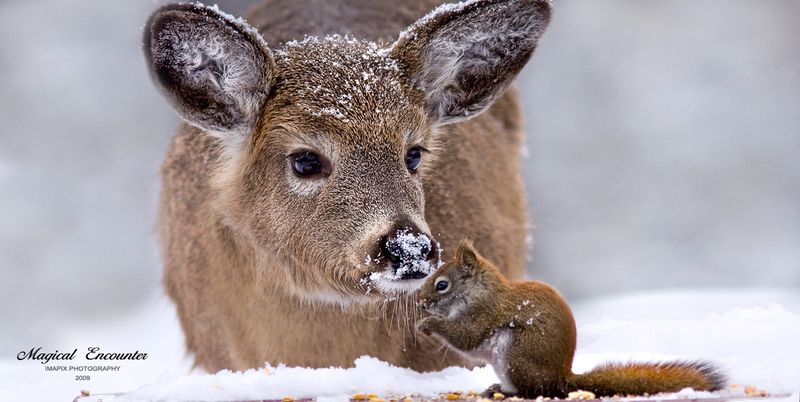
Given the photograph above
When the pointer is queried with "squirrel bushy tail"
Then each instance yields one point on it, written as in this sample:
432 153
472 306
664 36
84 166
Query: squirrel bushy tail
651 378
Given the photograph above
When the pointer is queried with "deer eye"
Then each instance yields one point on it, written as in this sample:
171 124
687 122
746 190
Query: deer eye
413 158
441 285
308 164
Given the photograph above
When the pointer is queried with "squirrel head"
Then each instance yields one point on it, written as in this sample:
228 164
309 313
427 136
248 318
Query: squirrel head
457 283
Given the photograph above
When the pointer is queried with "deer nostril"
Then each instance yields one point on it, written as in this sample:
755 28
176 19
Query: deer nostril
391 250
425 250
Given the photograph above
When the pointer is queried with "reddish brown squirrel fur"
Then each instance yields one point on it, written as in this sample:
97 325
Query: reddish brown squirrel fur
526 331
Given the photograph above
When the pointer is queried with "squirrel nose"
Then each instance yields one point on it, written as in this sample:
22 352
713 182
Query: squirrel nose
407 249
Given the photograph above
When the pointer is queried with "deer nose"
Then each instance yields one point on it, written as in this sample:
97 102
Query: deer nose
409 252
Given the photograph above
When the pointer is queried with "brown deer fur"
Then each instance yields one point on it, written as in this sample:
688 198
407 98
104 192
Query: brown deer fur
265 266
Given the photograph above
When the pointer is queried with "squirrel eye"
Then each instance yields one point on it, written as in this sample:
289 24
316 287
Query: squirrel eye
442 285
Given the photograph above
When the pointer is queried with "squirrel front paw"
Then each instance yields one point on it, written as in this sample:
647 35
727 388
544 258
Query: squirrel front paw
425 325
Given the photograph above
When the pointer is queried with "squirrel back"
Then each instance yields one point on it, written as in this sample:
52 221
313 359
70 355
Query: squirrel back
526 331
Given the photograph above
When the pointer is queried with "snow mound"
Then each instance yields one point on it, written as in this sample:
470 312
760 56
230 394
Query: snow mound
369 375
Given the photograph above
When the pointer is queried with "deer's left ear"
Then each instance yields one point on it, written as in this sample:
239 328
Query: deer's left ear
464 55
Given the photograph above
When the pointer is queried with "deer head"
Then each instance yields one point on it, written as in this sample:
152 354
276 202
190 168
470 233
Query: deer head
324 144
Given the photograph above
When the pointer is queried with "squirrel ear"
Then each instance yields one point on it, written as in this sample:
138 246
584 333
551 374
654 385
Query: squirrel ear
466 256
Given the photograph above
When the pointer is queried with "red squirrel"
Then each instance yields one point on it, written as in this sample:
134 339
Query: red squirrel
526 331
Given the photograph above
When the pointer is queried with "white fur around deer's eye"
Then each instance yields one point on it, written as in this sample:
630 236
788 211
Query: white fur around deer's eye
302 186
316 146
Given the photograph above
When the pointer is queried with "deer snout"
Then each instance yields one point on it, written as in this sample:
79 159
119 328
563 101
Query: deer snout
409 252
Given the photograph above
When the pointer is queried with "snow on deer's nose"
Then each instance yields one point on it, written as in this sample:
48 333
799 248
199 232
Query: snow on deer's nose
409 253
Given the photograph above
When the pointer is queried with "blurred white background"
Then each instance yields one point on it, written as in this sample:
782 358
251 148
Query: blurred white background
663 152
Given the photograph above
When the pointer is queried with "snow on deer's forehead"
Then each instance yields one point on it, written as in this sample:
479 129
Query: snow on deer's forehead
342 77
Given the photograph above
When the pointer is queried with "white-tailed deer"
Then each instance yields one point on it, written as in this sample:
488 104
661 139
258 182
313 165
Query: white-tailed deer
333 153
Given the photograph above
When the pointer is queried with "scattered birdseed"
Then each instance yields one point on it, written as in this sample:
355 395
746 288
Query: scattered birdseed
581 395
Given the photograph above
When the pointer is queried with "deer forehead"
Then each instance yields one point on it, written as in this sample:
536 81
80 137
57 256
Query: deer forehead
352 82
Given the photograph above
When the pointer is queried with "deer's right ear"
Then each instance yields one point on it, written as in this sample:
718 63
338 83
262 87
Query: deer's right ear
215 70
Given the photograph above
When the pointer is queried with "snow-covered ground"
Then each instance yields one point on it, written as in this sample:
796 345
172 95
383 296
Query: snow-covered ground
753 334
